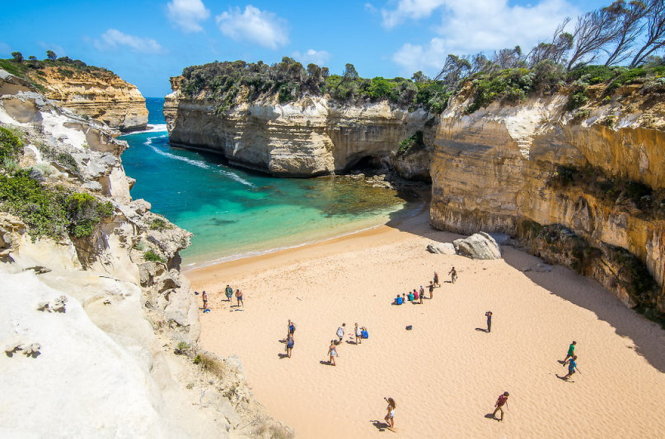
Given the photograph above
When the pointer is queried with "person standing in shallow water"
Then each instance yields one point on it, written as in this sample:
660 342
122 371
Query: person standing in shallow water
571 351
390 416
500 403
239 298
228 292
488 314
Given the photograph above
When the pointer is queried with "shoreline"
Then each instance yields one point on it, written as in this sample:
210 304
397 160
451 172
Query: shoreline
403 216
444 375
380 234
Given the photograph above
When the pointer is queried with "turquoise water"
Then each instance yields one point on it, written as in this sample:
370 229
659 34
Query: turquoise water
232 212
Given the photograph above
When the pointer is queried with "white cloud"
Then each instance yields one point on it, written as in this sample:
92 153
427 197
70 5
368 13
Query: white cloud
114 39
413 9
319 57
470 26
253 25
187 14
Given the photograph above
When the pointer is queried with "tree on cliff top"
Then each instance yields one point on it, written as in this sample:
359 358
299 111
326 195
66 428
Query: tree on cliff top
17 56
51 55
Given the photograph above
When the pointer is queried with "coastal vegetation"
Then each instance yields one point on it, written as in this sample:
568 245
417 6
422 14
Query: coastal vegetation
32 69
620 32
48 210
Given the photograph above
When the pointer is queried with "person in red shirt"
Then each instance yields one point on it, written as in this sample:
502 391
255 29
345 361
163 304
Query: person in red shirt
502 401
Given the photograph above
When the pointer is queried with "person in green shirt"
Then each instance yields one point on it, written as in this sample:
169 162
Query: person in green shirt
571 351
229 293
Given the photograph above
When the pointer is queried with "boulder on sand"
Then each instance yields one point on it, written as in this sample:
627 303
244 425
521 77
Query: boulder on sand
478 246
441 248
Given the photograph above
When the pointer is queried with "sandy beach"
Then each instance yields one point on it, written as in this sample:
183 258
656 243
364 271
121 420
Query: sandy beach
444 374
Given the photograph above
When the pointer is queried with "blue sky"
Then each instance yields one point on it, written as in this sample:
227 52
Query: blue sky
147 41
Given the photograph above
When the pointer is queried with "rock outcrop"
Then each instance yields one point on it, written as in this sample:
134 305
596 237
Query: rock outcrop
102 317
96 93
308 137
478 246
583 189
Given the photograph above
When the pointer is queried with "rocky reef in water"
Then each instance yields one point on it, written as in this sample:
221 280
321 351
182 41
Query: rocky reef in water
98 327
89 91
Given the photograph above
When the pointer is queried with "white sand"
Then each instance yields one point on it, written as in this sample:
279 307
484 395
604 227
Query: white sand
444 375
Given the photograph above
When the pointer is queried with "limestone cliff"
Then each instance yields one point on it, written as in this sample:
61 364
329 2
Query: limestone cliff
96 93
310 136
98 327
584 188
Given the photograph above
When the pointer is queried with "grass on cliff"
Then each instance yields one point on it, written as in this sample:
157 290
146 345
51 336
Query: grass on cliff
32 70
48 211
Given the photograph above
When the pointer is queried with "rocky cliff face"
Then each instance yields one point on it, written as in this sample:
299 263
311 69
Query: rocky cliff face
98 94
583 189
311 136
105 318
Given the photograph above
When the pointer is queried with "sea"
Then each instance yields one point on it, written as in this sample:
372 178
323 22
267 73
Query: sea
233 213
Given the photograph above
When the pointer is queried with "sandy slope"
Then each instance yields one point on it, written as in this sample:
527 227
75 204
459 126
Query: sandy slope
444 374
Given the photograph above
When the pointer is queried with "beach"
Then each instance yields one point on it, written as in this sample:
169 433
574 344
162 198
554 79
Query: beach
445 374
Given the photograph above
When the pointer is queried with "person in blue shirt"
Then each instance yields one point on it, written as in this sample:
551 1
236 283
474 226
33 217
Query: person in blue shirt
572 367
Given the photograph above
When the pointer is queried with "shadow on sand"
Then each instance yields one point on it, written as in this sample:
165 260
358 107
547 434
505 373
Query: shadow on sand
647 335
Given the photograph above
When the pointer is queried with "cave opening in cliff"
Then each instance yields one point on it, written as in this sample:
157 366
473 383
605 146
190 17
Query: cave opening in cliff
367 163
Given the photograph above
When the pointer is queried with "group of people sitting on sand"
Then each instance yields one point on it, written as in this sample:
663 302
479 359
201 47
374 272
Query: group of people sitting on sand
417 295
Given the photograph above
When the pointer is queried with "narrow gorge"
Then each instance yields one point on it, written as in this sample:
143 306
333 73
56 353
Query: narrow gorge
578 184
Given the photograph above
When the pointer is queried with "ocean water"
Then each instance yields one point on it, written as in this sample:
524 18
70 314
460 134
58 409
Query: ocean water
233 213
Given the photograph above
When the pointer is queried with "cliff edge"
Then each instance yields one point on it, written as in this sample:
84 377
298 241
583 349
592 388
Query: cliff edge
99 329
92 92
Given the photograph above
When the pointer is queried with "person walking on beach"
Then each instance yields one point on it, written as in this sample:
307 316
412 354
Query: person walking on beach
500 403
359 335
332 353
289 345
422 293
239 298
571 352
228 292
340 332
572 367
290 329
390 416
431 289
453 275
204 297
488 314
436 279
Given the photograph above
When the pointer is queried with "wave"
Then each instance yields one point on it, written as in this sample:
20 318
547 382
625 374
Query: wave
158 128
193 162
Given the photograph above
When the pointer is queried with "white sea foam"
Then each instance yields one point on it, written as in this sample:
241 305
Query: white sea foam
159 128
193 162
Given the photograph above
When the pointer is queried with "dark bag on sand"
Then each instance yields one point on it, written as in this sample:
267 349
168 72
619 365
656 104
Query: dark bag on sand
409 327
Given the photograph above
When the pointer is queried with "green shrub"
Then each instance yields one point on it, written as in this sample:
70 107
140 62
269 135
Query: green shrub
411 143
577 98
159 224
10 145
509 85
84 212
50 211
151 256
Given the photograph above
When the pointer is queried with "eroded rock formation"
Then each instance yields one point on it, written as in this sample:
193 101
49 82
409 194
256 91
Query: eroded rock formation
98 94
581 189
100 330
311 136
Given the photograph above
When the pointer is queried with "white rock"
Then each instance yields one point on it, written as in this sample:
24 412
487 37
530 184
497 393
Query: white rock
478 246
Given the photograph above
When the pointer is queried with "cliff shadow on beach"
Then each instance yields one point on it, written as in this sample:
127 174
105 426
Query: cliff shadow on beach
648 337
